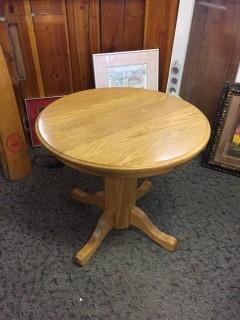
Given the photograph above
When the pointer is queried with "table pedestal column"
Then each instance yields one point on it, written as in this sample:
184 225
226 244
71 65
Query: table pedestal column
120 199
120 211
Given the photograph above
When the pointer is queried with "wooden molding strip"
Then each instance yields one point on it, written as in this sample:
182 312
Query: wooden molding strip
33 44
68 48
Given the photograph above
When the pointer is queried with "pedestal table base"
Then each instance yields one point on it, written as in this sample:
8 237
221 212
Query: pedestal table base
119 204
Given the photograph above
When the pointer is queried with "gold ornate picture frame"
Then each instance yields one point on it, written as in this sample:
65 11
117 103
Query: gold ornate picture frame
138 69
223 151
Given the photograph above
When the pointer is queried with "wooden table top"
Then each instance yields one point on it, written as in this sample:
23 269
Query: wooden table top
123 130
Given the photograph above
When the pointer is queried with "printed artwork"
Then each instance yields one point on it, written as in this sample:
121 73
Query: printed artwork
235 144
127 76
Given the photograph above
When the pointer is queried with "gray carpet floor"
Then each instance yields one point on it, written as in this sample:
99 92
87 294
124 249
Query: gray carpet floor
129 277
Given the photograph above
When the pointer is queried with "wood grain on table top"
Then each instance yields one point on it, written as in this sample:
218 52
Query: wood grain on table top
123 130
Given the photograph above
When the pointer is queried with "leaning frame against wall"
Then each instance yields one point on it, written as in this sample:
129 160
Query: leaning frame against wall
137 69
223 152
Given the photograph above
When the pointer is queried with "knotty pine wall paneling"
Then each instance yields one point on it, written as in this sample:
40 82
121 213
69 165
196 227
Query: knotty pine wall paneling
50 26
134 24
1 8
83 18
112 25
160 22
122 25
52 41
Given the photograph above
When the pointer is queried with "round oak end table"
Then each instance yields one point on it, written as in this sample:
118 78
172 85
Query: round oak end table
122 134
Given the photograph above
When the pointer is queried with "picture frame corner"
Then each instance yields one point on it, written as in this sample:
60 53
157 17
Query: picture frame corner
228 165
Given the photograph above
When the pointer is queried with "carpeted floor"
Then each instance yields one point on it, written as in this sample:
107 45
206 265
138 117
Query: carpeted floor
130 277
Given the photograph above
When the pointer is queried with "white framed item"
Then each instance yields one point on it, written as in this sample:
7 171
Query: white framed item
137 69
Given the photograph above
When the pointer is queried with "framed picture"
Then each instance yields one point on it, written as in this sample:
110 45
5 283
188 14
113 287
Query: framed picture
137 69
223 151
33 107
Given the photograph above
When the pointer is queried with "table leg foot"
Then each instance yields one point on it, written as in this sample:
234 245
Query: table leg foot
105 224
144 188
96 199
140 220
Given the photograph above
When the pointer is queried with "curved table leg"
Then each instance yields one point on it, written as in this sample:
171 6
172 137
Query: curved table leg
144 188
96 199
119 200
105 224
140 220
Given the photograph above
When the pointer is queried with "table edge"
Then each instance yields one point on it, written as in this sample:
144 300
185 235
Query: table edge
131 172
